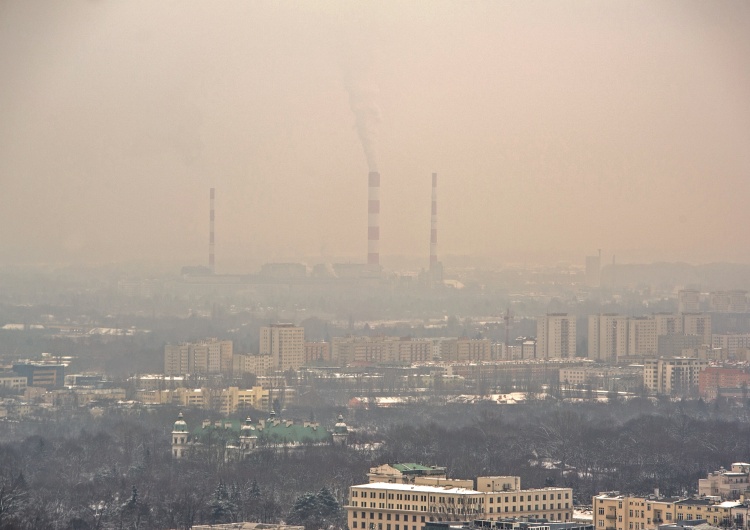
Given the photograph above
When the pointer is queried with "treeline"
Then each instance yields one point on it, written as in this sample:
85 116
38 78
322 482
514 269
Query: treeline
116 471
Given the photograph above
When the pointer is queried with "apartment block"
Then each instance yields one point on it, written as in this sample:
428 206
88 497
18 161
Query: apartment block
251 364
731 343
556 336
642 337
713 380
207 356
677 375
699 325
465 349
612 336
688 301
226 400
608 337
729 301
285 343
317 352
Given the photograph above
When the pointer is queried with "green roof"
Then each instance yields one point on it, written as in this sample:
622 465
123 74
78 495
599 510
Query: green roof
417 469
277 431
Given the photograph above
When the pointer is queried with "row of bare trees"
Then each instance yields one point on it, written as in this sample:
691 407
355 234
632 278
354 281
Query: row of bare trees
116 471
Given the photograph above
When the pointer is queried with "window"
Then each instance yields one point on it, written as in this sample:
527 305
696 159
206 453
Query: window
354 524
354 514
388 517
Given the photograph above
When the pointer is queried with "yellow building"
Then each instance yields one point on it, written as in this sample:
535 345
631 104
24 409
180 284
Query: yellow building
728 484
613 511
464 349
226 400
414 496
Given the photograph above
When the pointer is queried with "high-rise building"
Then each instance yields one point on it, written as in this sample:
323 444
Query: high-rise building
608 337
642 338
556 336
698 324
688 301
668 324
207 356
729 301
285 343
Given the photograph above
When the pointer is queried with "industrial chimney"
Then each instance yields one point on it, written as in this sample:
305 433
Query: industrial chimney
433 225
373 219
211 235
436 268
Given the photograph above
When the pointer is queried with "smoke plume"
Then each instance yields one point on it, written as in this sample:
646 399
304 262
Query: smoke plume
363 98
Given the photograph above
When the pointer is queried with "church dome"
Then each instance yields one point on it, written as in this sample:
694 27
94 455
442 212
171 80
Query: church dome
180 425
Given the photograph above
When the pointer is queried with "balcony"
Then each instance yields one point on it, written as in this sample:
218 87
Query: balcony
611 516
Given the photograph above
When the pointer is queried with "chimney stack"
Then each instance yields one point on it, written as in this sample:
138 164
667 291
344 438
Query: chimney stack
373 219
211 235
433 226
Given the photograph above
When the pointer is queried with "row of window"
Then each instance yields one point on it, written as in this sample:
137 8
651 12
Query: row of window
536 507
388 516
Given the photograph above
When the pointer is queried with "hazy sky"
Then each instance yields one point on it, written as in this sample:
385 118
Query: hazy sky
556 127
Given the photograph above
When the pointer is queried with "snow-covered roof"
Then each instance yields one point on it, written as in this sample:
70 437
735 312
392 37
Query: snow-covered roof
419 489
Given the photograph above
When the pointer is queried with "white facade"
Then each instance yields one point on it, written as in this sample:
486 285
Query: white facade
556 336
285 343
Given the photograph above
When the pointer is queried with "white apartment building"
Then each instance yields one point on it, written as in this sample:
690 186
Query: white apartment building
207 356
677 375
608 337
642 337
556 336
688 301
730 343
612 336
698 324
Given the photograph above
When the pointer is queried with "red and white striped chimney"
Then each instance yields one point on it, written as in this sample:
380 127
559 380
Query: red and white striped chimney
433 225
373 218
211 234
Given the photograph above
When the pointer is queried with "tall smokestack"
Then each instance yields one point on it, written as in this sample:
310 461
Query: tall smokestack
211 234
373 219
433 225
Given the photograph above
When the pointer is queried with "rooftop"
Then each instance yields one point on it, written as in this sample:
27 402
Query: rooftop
407 468
419 489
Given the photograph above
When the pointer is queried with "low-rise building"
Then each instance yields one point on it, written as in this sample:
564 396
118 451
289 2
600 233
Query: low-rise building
613 511
676 375
13 381
432 497
729 484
